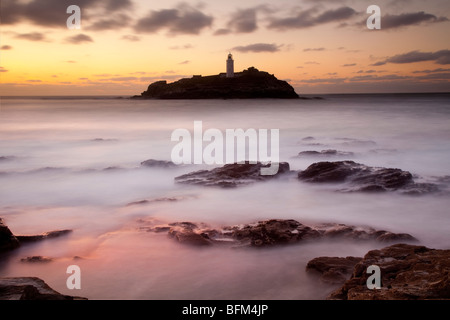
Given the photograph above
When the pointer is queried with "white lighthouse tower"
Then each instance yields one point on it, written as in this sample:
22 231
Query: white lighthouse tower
230 66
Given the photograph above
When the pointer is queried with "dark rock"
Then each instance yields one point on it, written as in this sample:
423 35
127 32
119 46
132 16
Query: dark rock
326 153
112 169
343 231
273 232
29 288
7 239
157 200
270 233
407 273
158 164
46 235
38 259
103 140
188 236
333 270
362 178
6 158
249 84
230 175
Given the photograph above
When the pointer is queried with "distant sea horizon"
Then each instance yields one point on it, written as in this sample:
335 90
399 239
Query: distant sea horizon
301 95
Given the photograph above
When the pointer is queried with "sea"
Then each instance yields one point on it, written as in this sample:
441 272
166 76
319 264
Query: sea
75 163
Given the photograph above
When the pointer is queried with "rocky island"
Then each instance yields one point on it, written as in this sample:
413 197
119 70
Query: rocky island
248 84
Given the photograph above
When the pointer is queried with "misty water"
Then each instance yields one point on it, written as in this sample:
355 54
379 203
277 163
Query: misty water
75 164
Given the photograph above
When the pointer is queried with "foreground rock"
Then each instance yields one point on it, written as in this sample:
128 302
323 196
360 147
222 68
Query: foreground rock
46 235
269 233
407 273
151 163
230 175
248 84
29 288
326 153
333 270
37 259
7 239
157 200
364 178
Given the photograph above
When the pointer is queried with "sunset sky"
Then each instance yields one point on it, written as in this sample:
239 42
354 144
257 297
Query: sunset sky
319 46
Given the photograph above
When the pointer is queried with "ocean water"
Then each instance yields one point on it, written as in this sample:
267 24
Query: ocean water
71 163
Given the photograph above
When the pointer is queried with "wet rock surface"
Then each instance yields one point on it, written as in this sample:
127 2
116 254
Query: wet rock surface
230 175
330 153
29 288
362 178
37 259
7 239
333 270
160 200
269 233
151 163
46 235
407 273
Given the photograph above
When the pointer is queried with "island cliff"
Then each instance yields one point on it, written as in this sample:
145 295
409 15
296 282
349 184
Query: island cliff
249 84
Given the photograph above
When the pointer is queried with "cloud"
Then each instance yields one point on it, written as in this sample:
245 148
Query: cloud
313 49
389 77
435 76
120 79
222 32
33 36
312 62
349 65
79 38
6 47
186 46
116 22
131 38
432 71
367 71
408 19
70 61
3 69
243 21
139 72
323 80
52 13
439 57
115 5
185 62
184 19
310 18
258 47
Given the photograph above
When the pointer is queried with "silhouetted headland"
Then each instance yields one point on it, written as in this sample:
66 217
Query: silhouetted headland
248 84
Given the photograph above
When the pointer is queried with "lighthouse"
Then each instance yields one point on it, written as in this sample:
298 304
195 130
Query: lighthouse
230 66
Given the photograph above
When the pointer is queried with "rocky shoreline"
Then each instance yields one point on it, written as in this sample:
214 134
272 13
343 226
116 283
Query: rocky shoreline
408 271
267 233
27 288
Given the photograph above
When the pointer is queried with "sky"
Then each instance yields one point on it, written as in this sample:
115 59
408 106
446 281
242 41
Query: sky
318 46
